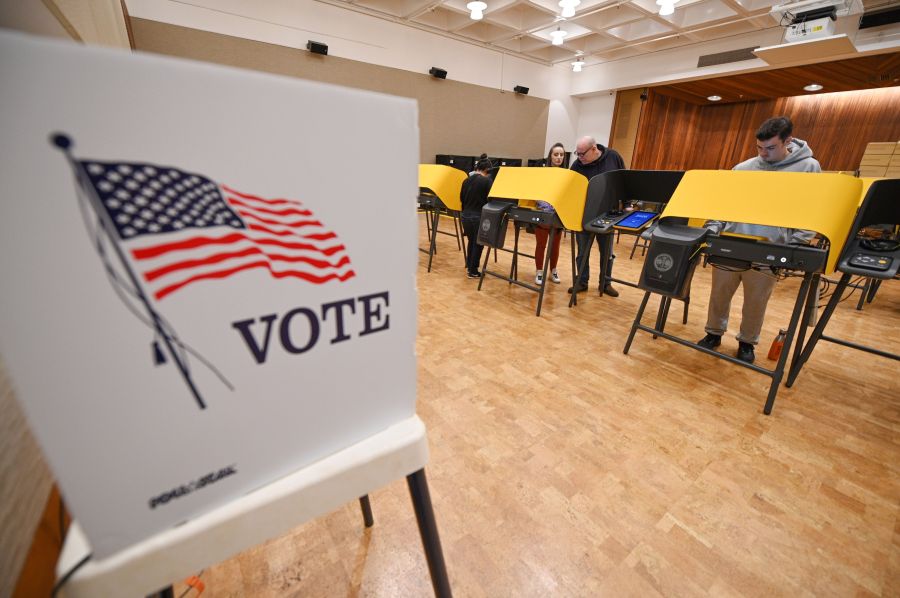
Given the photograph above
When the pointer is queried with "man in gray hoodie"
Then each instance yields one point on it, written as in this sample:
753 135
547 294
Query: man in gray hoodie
777 151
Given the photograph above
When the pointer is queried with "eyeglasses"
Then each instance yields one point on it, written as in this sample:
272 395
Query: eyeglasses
584 153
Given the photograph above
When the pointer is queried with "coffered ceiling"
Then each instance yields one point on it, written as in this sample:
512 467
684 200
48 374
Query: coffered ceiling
601 30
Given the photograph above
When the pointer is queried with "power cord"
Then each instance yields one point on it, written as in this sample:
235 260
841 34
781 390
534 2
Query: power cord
62 580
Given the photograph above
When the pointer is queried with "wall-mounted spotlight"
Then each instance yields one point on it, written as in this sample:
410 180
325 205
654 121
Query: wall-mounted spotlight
521 89
317 47
437 73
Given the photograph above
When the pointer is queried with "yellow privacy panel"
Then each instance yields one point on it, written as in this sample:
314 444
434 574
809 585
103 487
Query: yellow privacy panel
444 181
866 183
562 188
825 203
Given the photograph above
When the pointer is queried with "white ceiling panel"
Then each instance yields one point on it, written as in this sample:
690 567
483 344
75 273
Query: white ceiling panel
601 30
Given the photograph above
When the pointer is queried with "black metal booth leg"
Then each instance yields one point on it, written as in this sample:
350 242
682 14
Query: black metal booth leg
637 321
366 507
421 499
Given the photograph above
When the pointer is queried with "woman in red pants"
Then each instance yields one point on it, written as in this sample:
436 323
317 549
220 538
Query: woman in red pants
555 158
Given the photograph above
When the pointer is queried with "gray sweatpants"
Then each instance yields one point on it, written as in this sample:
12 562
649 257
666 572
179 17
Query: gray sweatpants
758 288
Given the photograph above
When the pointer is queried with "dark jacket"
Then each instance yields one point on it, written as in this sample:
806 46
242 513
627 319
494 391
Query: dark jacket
609 160
474 193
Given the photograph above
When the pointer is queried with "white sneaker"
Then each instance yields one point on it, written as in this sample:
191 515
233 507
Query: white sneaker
539 277
554 277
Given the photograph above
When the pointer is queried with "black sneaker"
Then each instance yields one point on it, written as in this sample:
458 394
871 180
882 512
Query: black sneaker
473 275
710 341
608 290
579 287
745 352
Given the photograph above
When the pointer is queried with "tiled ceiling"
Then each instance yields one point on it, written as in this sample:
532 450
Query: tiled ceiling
601 30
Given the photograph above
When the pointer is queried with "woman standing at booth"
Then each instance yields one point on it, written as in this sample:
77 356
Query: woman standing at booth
556 158
474 195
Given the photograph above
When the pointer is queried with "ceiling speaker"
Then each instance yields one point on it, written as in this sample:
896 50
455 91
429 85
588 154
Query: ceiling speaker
437 73
520 89
317 48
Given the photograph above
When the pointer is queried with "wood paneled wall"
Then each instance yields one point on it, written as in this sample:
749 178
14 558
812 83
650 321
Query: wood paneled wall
677 135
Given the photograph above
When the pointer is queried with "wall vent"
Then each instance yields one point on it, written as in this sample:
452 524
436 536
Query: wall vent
726 57
879 18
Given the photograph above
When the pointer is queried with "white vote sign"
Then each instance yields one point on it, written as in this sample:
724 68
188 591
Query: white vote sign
208 275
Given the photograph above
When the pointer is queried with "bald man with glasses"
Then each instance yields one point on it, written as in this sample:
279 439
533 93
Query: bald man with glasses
592 159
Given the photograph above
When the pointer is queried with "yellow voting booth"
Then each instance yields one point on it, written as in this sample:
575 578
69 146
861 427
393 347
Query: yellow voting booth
824 203
439 190
514 196
562 188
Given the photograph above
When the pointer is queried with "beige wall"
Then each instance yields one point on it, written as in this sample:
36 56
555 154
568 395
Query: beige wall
454 117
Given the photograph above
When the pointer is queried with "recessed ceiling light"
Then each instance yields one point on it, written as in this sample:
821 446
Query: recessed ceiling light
714 98
813 87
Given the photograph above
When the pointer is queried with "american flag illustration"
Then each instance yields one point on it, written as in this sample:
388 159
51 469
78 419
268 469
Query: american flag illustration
179 228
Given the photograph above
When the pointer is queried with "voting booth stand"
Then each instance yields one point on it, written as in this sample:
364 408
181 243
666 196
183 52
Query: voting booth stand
603 214
875 259
209 349
439 193
513 198
825 203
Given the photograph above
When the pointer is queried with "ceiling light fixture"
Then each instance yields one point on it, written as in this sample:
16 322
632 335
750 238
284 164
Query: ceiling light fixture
813 87
666 7
477 9
714 98
576 66
568 7
558 36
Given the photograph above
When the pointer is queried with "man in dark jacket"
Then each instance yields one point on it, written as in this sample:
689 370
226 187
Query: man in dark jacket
593 159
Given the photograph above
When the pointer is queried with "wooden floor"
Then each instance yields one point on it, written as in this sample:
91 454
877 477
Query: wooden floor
562 467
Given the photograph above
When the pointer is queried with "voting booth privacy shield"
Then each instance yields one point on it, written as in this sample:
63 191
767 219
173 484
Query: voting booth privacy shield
197 301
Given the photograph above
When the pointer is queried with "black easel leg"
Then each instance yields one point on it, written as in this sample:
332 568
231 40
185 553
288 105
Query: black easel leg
545 270
811 299
637 320
366 510
661 314
514 267
487 256
862 295
434 233
584 261
778 372
421 499
801 358
574 298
